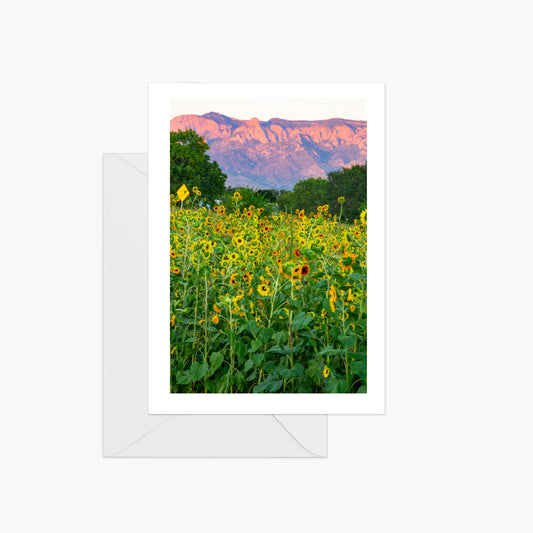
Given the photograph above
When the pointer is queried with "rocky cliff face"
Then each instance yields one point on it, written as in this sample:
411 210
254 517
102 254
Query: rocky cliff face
277 153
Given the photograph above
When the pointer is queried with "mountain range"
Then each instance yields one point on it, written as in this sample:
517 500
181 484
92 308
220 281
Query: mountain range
277 153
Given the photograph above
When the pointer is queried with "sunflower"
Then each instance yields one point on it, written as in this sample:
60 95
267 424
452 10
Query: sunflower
347 261
247 277
175 270
326 371
305 270
232 280
215 319
173 320
332 299
237 195
263 289
238 298
216 308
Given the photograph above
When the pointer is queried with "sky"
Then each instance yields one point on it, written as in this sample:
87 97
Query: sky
265 109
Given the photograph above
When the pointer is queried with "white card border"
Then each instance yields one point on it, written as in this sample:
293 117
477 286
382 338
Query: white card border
160 400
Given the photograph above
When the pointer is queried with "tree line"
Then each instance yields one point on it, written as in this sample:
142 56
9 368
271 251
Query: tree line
190 165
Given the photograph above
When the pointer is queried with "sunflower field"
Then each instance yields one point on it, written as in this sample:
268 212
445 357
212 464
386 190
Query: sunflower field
266 304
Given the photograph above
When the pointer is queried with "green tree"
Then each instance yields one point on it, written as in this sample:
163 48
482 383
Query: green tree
351 184
307 194
190 165
255 197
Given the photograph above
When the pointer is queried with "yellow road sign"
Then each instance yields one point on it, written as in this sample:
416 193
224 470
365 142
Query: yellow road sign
182 193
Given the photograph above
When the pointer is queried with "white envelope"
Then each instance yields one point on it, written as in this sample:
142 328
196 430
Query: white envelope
128 429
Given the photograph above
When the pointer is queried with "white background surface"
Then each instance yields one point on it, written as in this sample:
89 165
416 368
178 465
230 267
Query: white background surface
453 452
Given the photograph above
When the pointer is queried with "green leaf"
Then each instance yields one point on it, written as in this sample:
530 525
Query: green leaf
278 349
261 387
240 350
300 321
314 371
342 386
266 335
215 361
288 373
300 369
254 328
198 370
330 351
357 356
184 379
255 345
249 364
332 383
305 387
238 379
257 358
348 341
295 372
354 276
281 337
252 376
274 386
359 368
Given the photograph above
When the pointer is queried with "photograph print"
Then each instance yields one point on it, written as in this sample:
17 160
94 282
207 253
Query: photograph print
268 264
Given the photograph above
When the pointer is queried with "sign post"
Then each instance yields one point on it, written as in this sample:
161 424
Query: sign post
182 193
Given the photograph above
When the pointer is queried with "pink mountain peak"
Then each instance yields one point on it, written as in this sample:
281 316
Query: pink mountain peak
278 153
